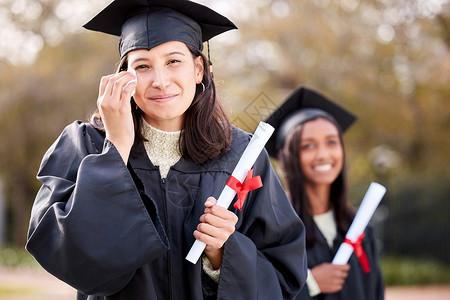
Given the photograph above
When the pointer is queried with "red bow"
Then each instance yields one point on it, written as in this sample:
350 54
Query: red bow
359 251
250 183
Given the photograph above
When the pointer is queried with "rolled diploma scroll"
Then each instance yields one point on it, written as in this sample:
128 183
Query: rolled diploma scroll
365 212
248 158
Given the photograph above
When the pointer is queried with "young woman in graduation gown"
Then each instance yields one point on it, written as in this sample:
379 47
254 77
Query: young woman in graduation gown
308 142
124 197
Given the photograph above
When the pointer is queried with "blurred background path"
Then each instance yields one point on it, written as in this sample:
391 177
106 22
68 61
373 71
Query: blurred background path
36 284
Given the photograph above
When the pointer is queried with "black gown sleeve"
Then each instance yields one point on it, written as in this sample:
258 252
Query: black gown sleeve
265 258
89 225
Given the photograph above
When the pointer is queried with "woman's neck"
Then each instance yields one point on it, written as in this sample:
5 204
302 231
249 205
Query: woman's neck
319 198
165 125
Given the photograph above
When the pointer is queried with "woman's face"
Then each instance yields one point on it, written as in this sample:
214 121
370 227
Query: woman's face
321 152
166 83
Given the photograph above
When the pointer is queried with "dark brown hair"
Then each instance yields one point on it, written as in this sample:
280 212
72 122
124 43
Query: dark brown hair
207 128
293 175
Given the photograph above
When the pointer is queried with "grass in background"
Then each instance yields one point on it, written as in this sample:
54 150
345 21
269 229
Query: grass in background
413 271
14 257
6 291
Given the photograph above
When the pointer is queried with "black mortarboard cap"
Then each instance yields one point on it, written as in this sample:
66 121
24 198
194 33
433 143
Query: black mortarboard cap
144 24
304 105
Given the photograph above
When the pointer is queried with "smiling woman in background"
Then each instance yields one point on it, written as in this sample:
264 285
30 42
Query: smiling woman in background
124 197
308 143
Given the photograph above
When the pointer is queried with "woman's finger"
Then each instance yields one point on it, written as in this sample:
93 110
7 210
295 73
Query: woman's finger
218 222
112 91
221 212
207 234
118 85
205 238
102 87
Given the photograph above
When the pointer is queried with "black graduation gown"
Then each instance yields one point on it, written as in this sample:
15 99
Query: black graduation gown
358 285
121 232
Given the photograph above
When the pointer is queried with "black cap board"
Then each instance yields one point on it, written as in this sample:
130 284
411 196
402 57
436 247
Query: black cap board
304 105
144 24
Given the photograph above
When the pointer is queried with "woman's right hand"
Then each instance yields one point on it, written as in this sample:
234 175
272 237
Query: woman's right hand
330 277
115 109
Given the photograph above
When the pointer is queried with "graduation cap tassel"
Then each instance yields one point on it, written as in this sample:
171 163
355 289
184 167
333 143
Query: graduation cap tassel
209 60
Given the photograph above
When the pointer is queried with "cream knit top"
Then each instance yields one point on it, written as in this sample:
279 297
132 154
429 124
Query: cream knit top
162 147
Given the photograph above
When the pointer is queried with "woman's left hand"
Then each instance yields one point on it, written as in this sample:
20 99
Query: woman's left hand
216 226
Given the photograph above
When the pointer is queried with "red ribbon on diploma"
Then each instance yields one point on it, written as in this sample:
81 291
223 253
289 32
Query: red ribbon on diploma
250 183
359 251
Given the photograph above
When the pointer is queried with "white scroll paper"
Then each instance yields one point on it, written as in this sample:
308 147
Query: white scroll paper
365 212
248 158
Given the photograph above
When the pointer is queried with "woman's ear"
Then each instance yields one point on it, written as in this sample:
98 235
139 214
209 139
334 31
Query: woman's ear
199 67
